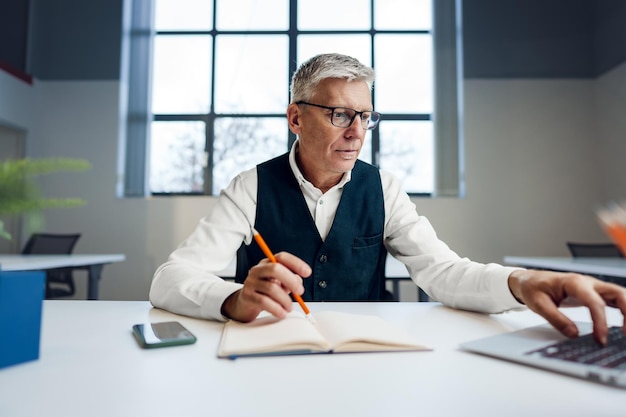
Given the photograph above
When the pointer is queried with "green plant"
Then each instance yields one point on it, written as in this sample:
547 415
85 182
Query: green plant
20 194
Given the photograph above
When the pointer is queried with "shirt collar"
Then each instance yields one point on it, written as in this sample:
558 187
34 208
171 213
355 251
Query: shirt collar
298 174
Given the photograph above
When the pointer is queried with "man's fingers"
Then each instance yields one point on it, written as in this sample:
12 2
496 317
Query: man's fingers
294 264
583 290
620 302
544 292
278 273
613 297
268 287
268 295
543 305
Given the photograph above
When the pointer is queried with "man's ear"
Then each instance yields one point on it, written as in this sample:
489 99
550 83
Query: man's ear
293 118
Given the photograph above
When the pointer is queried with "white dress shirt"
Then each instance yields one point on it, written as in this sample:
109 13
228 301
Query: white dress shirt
187 283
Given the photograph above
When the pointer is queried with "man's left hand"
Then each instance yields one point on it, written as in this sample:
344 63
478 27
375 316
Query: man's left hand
545 291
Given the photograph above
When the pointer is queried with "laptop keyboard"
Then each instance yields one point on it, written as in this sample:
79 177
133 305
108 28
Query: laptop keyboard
585 349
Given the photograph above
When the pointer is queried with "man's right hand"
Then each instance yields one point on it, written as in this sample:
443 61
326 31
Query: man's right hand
267 287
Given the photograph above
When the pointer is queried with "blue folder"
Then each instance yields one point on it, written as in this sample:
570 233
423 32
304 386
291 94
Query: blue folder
21 296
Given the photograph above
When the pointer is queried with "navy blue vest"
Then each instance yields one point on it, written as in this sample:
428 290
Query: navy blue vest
350 264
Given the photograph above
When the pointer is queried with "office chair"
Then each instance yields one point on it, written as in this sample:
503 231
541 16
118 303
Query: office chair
59 282
594 250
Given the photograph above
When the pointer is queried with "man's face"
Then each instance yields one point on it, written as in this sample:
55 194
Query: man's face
326 152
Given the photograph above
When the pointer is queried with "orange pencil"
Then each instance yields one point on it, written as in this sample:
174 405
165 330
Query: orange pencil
266 250
613 220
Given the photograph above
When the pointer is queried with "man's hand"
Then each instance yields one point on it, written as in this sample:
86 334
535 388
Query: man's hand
544 291
267 287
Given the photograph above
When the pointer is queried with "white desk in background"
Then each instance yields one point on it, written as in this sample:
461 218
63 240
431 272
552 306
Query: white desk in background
92 263
396 271
607 267
90 365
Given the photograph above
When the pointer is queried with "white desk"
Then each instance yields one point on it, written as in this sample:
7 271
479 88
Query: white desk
396 271
92 263
610 267
90 365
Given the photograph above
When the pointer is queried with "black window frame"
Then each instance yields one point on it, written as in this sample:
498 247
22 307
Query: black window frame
446 45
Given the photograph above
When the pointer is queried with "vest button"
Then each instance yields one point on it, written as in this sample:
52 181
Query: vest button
323 259
322 284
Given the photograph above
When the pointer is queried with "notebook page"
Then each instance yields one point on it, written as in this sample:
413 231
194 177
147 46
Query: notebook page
269 334
354 332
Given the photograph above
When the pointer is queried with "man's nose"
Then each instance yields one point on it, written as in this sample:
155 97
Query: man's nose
356 128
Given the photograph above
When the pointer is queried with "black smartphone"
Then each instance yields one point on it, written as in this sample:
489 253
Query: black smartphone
170 333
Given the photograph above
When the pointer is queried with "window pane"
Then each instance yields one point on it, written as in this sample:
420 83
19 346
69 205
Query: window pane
242 143
332 14
251 74
403 14
244 92
182 74
177 158
252 15
404 81
407 151
366 150
357 46
183 15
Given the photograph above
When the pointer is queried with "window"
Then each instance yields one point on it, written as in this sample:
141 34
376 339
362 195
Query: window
214 103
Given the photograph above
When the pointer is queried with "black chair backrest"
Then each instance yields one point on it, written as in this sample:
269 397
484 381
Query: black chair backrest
50 244
594 250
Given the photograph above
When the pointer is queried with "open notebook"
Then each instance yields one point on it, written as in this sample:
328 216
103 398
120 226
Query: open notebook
544 347
333 332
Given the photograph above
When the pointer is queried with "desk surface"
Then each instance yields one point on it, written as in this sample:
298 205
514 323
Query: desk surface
35 262
614 267
91 365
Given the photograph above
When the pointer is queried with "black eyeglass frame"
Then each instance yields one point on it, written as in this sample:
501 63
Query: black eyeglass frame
356 113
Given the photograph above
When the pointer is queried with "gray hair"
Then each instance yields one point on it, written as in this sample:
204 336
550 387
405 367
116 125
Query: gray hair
324 66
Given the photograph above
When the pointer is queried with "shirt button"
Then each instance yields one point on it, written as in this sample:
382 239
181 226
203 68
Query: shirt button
323 259
321 202
322 284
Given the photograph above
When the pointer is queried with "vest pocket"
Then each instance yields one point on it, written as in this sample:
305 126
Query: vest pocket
365 279
364 242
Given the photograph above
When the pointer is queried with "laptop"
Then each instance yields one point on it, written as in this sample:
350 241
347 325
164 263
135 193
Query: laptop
544 347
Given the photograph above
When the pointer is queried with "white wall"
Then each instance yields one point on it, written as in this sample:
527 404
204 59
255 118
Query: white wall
539 156
528 190
17 101
17 118
611 128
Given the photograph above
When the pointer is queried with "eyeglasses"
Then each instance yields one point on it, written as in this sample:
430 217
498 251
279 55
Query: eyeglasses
343 117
